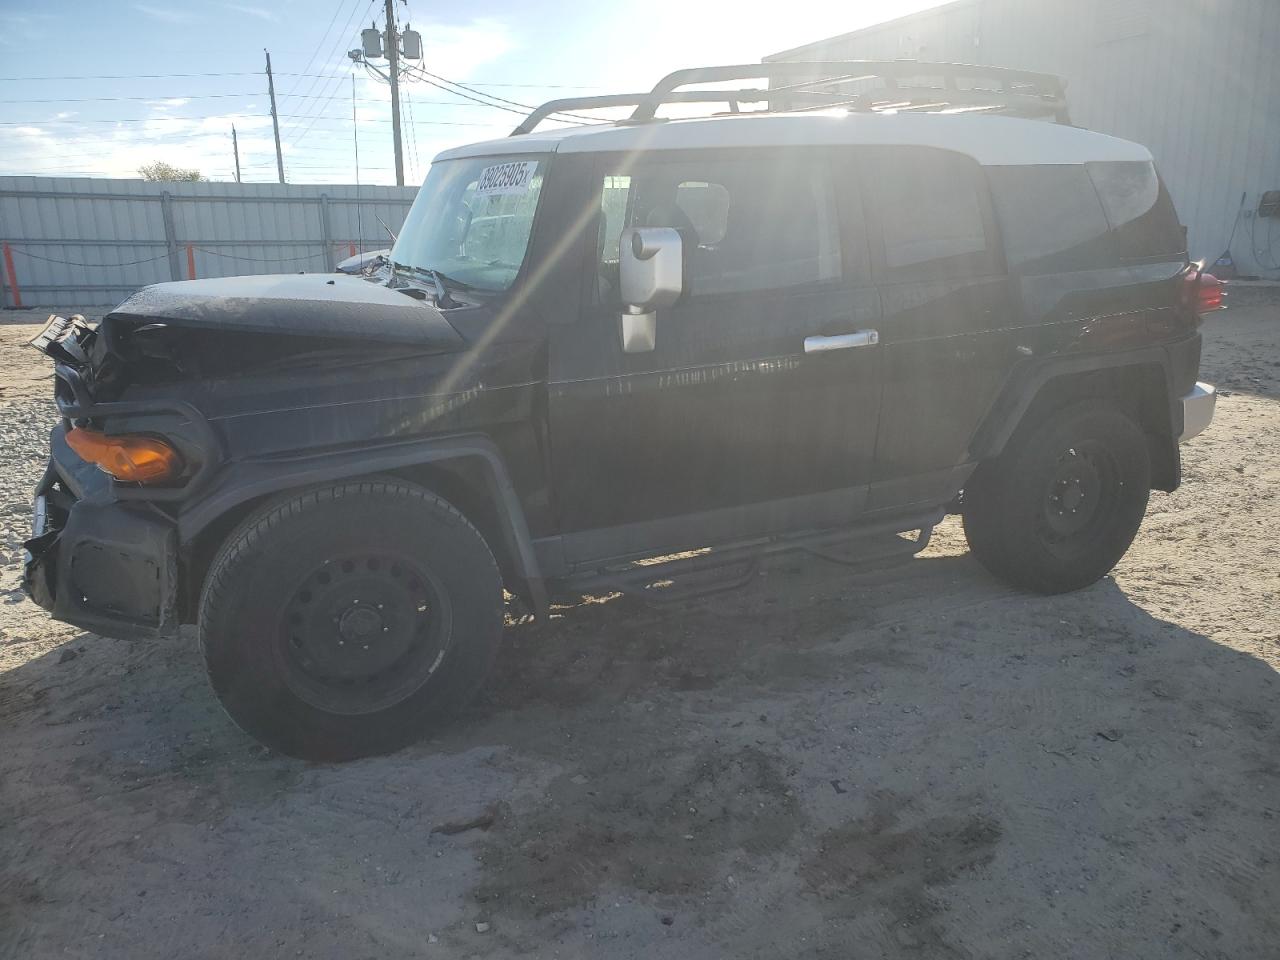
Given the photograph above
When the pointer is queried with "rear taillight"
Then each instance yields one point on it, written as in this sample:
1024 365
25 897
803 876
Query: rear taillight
1205 293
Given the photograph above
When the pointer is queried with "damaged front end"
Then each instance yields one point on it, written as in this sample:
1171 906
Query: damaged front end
104 555
184 383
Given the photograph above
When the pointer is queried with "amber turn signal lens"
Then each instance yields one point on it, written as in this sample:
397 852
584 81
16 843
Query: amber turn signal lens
131 459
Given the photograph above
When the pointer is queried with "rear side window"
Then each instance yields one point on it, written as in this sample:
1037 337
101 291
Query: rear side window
1050 218
930 212
1138 208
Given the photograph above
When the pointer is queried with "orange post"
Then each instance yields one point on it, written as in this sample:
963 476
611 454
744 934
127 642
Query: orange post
12 275
191 262
352 248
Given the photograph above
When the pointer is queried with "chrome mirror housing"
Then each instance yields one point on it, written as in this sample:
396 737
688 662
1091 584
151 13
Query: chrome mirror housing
651 276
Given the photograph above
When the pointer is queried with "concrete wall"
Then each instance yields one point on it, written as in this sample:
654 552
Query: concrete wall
1196 81
82 241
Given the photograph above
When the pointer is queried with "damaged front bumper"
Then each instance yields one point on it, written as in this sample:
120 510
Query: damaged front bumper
96 562
103 555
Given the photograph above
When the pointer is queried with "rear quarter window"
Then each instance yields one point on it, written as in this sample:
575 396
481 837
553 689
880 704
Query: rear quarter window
1050 218
1139 211
929 207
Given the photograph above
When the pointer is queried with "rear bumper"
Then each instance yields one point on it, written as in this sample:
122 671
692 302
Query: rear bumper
95 562
1197 410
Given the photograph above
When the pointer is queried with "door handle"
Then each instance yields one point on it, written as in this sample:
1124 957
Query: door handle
843 341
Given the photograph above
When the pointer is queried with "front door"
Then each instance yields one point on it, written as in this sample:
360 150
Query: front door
728 429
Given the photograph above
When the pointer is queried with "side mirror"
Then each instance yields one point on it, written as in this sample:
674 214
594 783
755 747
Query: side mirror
651 276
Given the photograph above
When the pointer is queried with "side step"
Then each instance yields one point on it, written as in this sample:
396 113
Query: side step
721 569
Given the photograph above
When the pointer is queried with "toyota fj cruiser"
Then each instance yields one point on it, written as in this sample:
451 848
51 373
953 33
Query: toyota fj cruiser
865 296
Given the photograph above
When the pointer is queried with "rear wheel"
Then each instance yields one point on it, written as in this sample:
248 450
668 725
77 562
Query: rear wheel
1059 508
344 621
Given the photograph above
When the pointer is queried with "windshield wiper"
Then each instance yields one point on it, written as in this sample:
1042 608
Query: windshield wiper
443 300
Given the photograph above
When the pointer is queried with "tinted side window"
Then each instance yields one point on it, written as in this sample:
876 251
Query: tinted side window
930 212
1050 218
748 224
1138 208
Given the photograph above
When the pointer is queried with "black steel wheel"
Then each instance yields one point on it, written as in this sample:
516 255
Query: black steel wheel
362 632
1059 508
345 621
1082 497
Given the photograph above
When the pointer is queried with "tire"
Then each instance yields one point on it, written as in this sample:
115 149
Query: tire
1060 506
346 621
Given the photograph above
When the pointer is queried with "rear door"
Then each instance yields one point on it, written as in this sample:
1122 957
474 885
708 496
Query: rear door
948 314
727 429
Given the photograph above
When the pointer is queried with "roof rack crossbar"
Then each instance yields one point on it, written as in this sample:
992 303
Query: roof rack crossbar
734 99
731 97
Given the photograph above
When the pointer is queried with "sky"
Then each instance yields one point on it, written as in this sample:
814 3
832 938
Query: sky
100 87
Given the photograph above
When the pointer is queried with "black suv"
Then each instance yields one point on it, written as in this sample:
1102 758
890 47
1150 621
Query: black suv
818 324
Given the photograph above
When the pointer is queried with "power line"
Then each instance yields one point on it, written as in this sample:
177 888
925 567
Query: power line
42 149
281 73
323 37
330 87
496 106
491 96
413 136
159 99
285 116
319 115
515 106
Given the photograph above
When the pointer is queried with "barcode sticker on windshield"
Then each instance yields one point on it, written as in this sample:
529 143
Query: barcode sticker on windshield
504 178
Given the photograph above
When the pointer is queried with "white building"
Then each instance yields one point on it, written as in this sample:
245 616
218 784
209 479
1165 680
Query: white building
1196 81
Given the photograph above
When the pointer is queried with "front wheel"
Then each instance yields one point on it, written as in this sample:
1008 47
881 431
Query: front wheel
1061 505
342 622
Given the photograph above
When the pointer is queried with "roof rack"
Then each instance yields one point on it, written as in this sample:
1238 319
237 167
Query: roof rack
860 85
733 98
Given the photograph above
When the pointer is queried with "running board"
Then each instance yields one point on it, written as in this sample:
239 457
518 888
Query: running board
730 568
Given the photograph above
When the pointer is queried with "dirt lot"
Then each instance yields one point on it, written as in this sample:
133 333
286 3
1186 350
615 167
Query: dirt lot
920 764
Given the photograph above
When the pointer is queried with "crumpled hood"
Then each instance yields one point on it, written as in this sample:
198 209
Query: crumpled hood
310 304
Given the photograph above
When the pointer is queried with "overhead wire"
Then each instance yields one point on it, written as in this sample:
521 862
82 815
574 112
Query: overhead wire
334 77
470 93
320 43
289 116
413 137
312 112
157 99
355 141
278 73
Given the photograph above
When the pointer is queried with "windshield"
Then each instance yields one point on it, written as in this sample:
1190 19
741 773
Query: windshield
471 220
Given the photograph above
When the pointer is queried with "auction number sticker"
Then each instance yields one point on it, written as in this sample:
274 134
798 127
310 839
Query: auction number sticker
504 178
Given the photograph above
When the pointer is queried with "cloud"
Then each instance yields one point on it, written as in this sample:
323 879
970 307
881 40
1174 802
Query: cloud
250 11
65 115
323 156
165 14
168 103
118 150
456 50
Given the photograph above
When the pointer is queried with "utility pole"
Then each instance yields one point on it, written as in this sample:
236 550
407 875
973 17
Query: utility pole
275 120
393 57
235 145
375 46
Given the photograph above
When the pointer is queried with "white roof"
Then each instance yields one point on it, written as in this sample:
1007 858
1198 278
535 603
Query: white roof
991 140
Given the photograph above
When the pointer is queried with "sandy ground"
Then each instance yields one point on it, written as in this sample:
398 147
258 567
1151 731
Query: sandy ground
917 764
